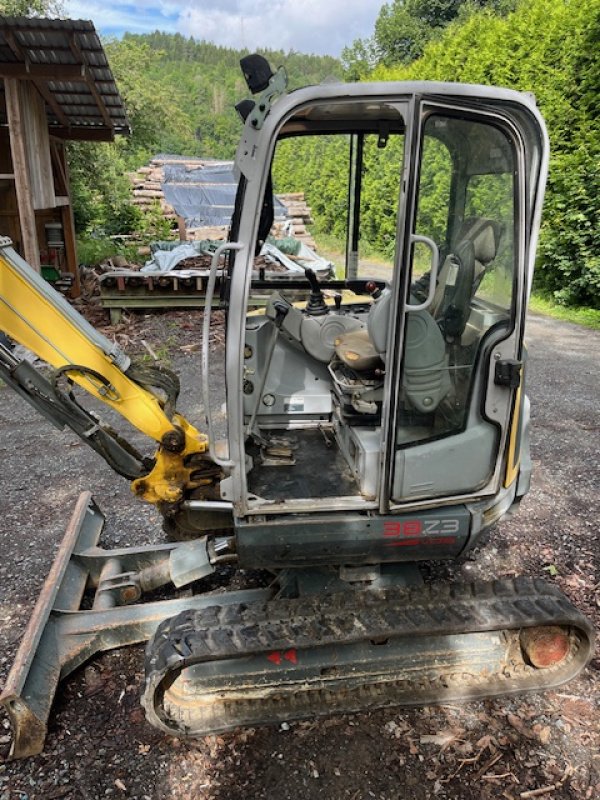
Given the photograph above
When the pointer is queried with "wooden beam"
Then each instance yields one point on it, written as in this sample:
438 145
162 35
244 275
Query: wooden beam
68 224
61 182
14 45
31 249
60 115
91 82
83 133
52 72
98 98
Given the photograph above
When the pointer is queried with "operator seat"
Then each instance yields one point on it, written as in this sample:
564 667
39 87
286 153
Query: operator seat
425 376
426 379
474 249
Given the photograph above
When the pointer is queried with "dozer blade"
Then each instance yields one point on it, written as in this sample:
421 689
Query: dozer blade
61 635
32 681
225 667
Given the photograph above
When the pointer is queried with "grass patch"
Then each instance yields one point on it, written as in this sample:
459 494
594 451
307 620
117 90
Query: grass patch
579 315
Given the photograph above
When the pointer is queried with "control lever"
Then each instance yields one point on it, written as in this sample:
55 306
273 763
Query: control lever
316 306
373 289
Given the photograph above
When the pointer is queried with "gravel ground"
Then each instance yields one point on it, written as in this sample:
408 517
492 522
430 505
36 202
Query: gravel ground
99 744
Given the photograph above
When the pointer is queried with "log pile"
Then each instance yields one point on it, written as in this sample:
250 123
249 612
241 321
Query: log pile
147 183
298 216
147 192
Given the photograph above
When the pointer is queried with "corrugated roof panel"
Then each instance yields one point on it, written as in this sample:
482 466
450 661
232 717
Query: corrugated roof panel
57 42
95 59
36 56
69 87
65 98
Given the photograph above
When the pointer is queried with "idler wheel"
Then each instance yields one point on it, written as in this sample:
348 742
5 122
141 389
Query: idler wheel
545 646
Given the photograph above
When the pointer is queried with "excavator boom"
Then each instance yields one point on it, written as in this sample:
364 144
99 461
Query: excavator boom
40 319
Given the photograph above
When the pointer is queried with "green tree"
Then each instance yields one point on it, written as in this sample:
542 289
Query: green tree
155 106
404 27
550 48
180 96
400 36
31 8
358 59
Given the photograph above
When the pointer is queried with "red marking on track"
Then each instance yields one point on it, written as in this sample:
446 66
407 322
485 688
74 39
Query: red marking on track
291 656
275 657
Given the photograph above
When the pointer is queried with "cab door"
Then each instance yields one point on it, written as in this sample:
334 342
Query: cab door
455 368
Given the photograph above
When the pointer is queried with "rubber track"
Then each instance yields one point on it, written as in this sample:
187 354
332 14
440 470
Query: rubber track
221 632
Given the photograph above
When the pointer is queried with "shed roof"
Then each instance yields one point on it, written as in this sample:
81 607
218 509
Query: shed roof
66 61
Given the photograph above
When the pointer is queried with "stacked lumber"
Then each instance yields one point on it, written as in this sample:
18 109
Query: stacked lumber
147 192
147 182
298 216
216 233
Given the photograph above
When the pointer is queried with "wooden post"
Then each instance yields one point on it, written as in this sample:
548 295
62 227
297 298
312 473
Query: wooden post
18 151
68 223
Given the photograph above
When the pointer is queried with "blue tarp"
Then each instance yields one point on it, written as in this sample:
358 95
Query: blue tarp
204 196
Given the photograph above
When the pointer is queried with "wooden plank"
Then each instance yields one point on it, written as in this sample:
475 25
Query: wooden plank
52 72
85 133
60 115
22 181
68 223
37 146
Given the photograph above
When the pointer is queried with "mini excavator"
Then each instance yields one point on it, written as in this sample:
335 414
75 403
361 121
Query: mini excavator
373 421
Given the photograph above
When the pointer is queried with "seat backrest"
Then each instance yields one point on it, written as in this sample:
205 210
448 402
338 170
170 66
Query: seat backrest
485 235
473 249
378 321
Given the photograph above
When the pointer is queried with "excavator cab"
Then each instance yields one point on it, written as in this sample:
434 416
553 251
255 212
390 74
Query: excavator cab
394 388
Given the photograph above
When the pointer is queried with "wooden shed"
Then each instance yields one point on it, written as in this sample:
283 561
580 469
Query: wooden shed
56 85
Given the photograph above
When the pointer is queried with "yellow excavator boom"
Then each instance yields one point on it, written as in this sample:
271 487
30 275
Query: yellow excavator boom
39 318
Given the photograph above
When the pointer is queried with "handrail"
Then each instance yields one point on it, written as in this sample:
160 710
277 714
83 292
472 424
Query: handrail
433 272
208 299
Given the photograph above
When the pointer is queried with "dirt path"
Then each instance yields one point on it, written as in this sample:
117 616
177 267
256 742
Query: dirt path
99 744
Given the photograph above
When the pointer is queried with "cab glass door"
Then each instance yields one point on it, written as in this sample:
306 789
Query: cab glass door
466 205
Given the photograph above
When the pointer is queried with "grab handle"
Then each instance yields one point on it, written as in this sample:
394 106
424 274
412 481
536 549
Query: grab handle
433 271
208 299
